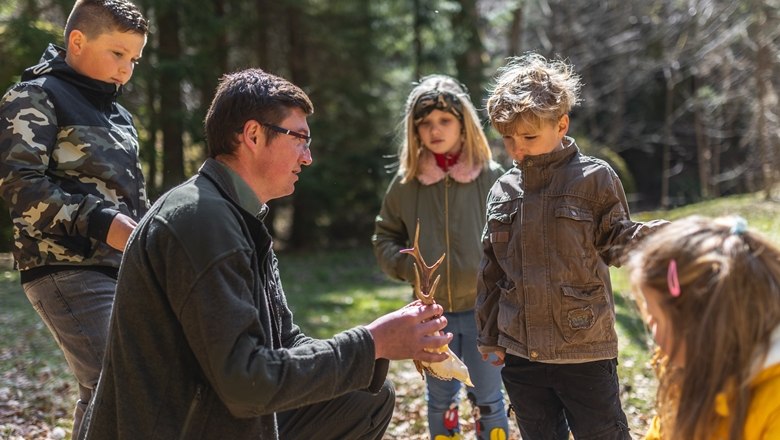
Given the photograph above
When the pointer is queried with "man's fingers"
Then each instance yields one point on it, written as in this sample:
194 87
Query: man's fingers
429 311
427 356
434 341
433 326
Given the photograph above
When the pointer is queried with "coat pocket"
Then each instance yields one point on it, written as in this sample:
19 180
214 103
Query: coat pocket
585 314
574 230
511 314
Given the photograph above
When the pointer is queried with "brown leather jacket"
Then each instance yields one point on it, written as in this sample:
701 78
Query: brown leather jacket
555 224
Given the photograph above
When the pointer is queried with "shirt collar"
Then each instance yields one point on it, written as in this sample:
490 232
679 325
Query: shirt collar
245 197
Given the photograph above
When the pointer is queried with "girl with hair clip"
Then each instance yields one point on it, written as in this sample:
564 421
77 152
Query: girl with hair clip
444 175
710 294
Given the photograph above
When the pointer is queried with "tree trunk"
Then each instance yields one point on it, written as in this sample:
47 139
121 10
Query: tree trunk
149 148
471 61
762 114
302 223
171 109
417 40
515 36
264 12
703 147
666 156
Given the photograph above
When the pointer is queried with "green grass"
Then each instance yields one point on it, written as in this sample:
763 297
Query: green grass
333 291
328 291
36 390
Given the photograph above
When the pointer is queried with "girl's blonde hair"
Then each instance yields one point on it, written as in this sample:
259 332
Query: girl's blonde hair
453 94
721 317
532 90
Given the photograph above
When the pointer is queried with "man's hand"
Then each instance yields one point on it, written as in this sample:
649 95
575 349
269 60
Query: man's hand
119 231
409 331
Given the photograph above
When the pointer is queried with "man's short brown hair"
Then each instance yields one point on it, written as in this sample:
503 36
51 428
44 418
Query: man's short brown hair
249 94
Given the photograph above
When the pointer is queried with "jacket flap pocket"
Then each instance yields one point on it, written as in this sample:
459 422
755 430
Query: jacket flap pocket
574 213
585 293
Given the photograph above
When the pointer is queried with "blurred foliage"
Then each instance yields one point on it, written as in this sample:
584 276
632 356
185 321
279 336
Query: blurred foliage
670 99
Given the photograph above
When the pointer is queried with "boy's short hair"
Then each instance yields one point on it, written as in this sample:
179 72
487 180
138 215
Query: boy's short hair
249 94
95 17
531 89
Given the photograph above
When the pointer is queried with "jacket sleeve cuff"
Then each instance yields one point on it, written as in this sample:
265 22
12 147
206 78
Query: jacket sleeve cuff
381 366
99 223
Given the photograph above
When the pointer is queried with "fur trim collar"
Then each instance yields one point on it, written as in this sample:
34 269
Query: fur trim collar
429 173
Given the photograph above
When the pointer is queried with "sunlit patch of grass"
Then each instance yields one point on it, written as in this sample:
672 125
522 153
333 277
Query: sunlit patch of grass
37 391
333 291
638 382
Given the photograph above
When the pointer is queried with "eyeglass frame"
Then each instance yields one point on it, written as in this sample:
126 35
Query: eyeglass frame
276 128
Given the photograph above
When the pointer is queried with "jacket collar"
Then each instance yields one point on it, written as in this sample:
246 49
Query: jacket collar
53 63
554 158
234 187
772 355
765 368
429 172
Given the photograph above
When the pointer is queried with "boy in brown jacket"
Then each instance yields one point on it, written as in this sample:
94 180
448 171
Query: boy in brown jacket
556 222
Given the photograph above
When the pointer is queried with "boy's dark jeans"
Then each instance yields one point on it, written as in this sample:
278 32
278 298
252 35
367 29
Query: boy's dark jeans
550 399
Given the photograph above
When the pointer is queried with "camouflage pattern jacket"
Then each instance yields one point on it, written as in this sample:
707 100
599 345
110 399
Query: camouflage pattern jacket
68 165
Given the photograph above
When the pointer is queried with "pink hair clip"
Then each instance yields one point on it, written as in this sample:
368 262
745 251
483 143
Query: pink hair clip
672 279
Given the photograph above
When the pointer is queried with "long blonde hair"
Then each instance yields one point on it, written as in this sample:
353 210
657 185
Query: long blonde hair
721 316
475 151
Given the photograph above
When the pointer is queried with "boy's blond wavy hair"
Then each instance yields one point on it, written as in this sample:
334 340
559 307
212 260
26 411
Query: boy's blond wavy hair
531 90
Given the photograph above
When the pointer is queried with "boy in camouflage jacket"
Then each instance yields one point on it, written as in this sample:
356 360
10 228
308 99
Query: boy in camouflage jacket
70 174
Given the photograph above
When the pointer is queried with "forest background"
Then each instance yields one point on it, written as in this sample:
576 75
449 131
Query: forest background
680 96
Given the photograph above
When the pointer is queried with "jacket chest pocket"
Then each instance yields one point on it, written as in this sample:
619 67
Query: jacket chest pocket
574 230
500 218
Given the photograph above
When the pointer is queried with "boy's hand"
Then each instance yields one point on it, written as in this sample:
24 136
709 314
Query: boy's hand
500 355
119 231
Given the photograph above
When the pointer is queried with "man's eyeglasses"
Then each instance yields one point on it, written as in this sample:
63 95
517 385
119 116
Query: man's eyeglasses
305 138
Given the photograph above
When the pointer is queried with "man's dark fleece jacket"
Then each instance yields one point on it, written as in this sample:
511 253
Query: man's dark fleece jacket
202 343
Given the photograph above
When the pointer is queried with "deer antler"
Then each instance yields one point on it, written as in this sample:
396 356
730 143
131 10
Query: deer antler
424 289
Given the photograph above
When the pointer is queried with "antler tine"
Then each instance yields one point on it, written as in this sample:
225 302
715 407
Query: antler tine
424 289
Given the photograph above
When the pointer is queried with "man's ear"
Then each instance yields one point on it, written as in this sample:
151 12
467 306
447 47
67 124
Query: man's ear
252 134
76 40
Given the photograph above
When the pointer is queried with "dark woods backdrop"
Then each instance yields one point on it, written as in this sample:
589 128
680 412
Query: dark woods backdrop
680 96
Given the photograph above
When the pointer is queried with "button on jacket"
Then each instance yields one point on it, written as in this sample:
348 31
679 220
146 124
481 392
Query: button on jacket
555 223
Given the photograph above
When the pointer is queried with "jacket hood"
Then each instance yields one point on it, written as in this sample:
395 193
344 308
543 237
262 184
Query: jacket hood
430 173
53 63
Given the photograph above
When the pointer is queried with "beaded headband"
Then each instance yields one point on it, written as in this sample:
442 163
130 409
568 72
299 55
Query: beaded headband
436 100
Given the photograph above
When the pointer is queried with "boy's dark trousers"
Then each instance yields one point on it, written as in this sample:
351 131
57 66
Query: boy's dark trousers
550 399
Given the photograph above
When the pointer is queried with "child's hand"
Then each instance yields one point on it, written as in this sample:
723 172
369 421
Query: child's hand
499 358
119 231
